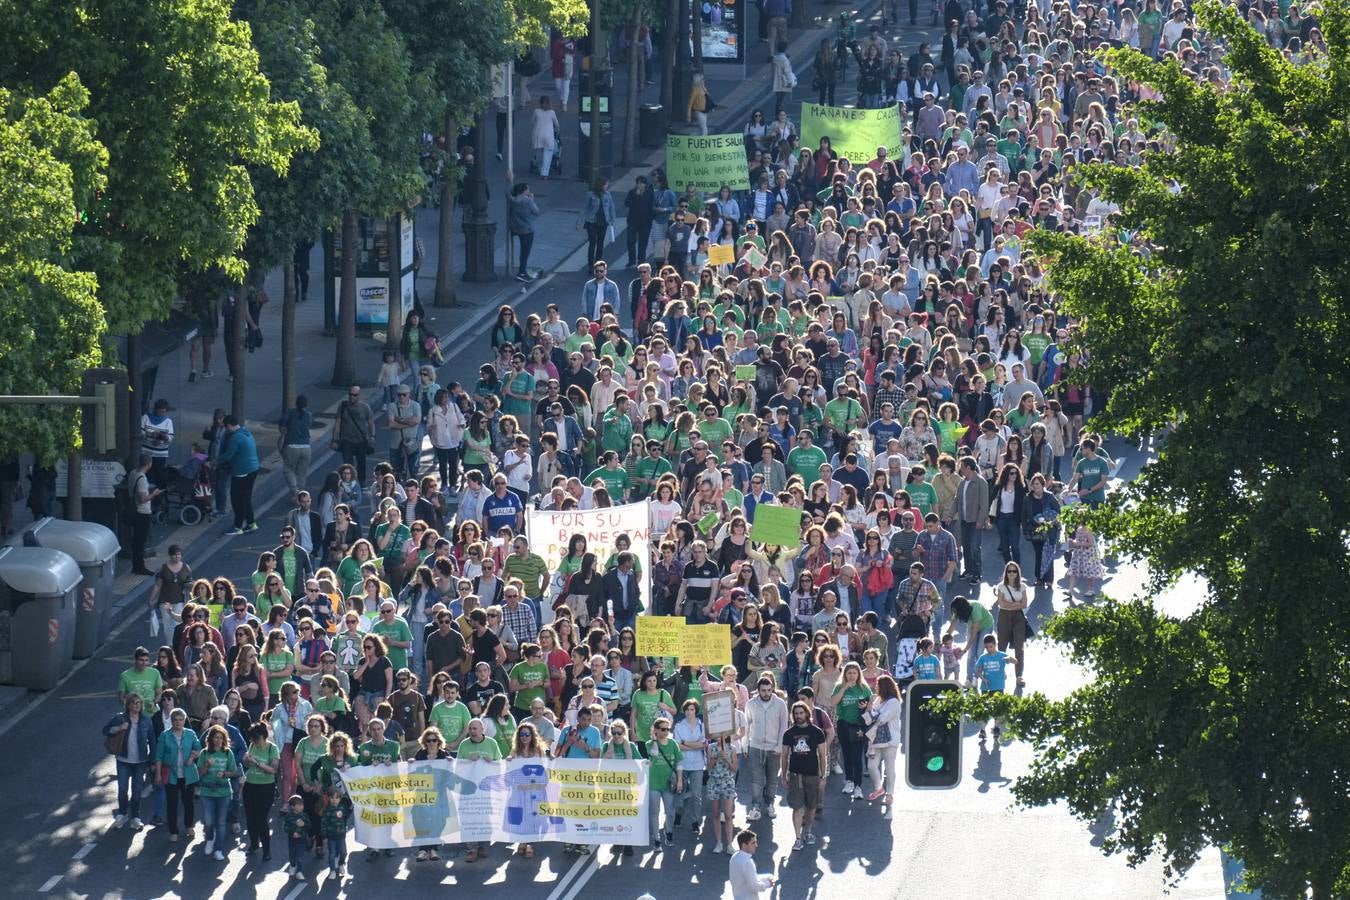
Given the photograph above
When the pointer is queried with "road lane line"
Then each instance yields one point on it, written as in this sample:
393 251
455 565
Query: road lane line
50 883
594 860
84 851
566 877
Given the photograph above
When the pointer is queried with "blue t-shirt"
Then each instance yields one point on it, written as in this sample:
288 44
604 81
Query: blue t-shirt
501 511
590 736
883 431
926 667
992 671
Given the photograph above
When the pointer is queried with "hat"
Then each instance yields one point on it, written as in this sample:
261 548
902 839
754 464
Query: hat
404 389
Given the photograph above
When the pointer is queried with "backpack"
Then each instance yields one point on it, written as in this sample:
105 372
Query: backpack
122 493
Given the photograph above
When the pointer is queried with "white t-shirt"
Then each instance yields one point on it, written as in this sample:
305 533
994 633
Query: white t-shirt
518 477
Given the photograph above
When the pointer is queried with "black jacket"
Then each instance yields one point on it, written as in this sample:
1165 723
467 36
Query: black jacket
624 603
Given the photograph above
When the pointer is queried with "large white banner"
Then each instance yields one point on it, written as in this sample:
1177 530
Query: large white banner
550 531
579 801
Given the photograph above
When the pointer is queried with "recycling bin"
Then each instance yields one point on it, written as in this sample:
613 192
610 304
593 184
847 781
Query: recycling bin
652 125
38 595
94 549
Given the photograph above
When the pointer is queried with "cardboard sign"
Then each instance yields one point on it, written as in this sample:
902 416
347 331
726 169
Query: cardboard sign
854 133
659 635
707 162
721 254
781 525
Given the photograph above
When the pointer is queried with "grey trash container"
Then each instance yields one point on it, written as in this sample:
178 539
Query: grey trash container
652 125
38 594
94 549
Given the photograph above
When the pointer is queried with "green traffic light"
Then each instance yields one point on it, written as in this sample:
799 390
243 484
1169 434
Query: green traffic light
936 763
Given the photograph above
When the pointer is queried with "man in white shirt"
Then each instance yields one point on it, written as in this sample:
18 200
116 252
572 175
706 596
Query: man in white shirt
767 717
518 465
746 883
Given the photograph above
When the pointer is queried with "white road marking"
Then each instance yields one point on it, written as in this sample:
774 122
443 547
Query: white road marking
594 861
295 891
84 851
50 883
567 876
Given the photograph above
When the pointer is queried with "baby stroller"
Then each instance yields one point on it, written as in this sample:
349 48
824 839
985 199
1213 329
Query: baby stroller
187 494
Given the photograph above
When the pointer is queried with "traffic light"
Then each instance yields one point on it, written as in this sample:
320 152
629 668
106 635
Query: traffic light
932 741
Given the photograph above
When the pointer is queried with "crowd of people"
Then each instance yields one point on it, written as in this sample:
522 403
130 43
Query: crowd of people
882 356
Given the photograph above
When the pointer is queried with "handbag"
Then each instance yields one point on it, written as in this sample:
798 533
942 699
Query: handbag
883 733
880 578
116 744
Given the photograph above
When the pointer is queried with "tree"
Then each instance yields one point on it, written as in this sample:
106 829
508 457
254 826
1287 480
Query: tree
458 42
51 167
182 108
1222 328
381 170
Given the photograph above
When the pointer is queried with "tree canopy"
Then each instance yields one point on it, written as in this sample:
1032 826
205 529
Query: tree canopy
1222 328
180 104
51 166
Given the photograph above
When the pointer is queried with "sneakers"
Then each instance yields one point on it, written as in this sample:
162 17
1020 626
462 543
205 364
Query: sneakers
523 277
173 838
421 856
252 526
752 815
219 857
206 373
848 787
838 769
798 844
119 820
234 532
770 812
290 869
299 876
210 845
857 793
192 376
810 839
135 824
731 850
717 848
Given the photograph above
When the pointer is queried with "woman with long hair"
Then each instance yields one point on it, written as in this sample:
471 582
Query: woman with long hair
882 721
851 697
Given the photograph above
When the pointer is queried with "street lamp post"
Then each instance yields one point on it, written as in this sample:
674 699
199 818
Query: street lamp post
480 232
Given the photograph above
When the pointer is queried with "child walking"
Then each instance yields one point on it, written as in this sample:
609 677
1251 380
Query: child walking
296 825
334 823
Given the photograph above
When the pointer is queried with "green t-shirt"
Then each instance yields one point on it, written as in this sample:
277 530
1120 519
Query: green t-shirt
399 631
333 704
923 496
627 751
147 685
505 736
981 619
714 432
288 564
451 719
308 751
276 662
806 462
388 752
840 411
533 681
663 760
616 481
652 469
848 701
1036 344
1090 471
487 750
646 711
212 767
269 755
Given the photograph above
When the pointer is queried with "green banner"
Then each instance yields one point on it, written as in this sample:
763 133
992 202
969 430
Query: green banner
854 133
707 162
781 525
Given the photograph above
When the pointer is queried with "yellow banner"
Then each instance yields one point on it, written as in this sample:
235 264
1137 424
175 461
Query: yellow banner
721 255
706 645
659 635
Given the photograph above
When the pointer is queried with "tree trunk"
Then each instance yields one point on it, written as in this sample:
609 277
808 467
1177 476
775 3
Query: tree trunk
344 360
288 335
630 127
74 507
237 345
597 40
799 17
134 399
394 333
445 234
670 40
696 38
